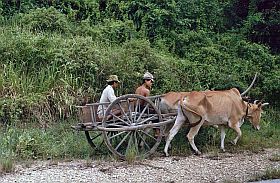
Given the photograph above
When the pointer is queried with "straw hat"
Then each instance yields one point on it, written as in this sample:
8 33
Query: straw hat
148 75
113 78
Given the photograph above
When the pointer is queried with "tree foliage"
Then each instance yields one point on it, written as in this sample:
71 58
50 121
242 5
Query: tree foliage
56 54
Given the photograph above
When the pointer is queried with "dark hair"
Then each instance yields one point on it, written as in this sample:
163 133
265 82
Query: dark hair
144 80
111 82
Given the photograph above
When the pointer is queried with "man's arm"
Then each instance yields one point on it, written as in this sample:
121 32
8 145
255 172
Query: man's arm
142 91
111 95
146 93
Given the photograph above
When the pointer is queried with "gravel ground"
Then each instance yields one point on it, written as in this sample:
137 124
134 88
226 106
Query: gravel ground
222 167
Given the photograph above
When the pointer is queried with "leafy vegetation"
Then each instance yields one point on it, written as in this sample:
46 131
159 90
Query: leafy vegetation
57 54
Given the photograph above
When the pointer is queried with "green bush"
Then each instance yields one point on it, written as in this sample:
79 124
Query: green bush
27 146
46 19
46 75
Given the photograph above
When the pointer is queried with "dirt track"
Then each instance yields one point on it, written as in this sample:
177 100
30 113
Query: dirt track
224 167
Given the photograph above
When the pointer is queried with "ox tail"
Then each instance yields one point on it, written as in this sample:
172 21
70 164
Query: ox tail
190 110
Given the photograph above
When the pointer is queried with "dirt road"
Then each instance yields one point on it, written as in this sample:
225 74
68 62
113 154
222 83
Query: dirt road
222 167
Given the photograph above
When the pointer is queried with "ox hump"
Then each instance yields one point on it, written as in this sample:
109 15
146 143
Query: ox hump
236 91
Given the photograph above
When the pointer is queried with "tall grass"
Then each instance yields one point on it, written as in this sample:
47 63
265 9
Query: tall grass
6 165
57 142
269 174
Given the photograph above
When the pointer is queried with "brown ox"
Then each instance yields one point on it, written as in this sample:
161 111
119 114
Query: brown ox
222 108
169 101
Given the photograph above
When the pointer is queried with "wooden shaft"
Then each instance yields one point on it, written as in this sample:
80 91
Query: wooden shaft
137 127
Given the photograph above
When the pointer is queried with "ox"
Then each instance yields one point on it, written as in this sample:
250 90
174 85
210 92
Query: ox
222 108
169 101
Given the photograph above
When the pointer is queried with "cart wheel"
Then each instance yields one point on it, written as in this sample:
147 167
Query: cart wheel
126 112
94 139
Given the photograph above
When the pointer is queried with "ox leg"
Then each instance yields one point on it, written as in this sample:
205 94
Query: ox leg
238 131
180 119
241 122
223 135
192 133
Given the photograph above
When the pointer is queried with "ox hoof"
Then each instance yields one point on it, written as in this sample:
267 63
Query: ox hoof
198 153
166 152
223 150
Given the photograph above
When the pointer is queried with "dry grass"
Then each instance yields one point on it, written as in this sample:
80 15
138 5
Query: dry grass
230 181
275 157
6 166
268 175
131 154
88 162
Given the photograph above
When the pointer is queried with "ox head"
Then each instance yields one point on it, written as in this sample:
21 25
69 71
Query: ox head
254 111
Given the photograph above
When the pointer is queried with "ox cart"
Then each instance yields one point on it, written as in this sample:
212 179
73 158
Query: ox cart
138 128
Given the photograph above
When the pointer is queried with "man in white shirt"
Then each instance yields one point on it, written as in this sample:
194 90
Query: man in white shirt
108 95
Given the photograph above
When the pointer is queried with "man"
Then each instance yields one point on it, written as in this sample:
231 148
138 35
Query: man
145 88
108 95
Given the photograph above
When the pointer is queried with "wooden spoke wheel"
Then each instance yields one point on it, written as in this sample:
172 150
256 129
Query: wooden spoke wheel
94 139
127 132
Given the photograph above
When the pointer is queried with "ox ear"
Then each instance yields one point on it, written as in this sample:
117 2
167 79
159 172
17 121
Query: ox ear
259 103
256 101
246 99
264 104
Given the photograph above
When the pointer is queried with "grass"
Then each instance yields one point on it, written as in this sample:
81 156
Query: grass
6 165
230 181
88 162
59 141
275 157
268 175
131 154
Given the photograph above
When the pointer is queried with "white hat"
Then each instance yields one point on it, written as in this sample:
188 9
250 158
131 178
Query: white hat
113 78
148 75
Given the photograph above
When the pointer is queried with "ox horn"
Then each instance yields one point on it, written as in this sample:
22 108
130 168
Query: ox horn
250 85
264 104
258 102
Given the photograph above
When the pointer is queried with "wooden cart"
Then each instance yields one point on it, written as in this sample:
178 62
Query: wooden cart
137 128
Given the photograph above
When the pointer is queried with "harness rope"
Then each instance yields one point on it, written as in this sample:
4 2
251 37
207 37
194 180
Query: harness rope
247 110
